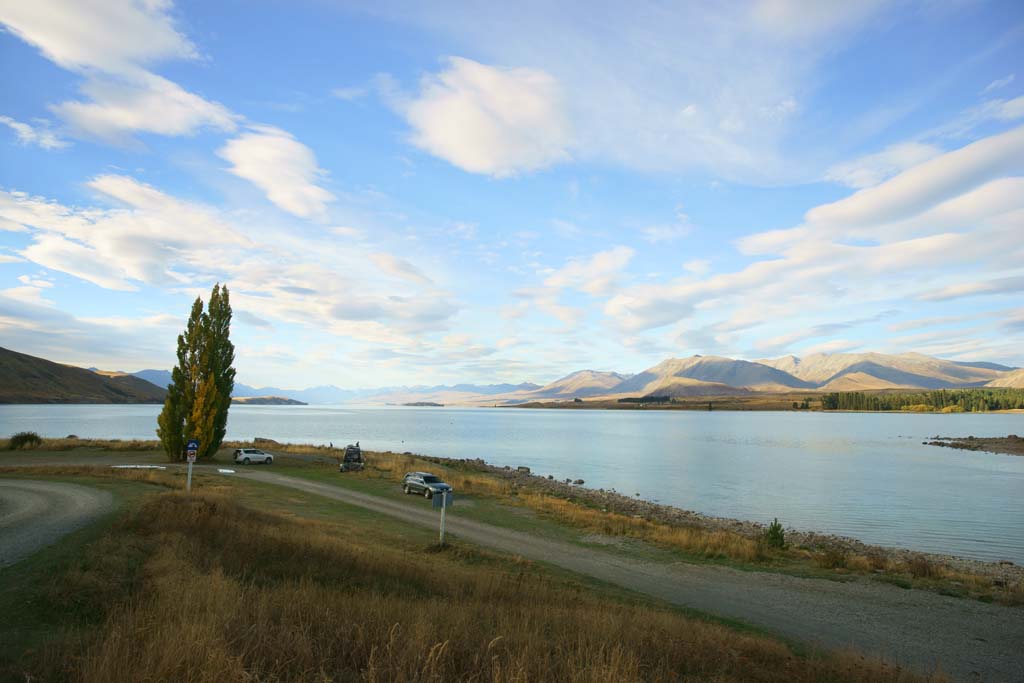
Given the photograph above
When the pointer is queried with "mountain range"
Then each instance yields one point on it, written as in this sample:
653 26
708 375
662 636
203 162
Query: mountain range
27 379
696 376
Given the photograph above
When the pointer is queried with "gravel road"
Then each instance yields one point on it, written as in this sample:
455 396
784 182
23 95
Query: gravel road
34 514
970 640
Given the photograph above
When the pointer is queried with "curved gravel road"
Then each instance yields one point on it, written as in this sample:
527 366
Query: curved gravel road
970 640
34 514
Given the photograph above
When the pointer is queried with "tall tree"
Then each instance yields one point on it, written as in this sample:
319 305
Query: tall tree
199 396
221 363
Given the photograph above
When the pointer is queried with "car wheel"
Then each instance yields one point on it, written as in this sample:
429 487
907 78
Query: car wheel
405 489
245 461
267 461
426 493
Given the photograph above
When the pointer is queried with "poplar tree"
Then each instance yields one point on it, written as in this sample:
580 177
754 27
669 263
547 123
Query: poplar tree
199 395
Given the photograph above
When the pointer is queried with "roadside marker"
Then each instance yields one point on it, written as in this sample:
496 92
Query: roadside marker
443 501
191 451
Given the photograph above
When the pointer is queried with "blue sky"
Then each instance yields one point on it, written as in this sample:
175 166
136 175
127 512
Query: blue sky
424 193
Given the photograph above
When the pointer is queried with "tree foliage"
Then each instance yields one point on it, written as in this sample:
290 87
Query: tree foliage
199 395
946 400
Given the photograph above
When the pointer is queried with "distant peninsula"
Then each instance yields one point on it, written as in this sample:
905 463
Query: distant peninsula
266 401
428 404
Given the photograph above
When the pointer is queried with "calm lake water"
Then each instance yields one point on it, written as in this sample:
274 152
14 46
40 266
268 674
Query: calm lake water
857 474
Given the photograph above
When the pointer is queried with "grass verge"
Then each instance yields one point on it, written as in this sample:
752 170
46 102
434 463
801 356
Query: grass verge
204 588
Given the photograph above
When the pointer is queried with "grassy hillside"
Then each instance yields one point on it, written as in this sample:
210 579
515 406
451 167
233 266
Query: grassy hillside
27 379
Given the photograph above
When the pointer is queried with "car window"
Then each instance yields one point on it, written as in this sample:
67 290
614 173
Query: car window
431 480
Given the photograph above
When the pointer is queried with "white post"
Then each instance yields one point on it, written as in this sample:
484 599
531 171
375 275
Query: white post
444 506
188 482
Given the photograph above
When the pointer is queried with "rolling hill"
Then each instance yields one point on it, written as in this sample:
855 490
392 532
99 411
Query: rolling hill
27 379
1012 380
581 384
692 377
874 371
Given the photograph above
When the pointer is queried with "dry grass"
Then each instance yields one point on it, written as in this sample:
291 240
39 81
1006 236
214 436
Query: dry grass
708 543
146 476
93 444
230 594
702 542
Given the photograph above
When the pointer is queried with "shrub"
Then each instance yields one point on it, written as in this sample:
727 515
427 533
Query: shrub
833 558
921 567
774 535
24 440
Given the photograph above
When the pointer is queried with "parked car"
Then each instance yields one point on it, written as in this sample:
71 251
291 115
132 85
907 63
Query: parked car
353 459
244 456
424 482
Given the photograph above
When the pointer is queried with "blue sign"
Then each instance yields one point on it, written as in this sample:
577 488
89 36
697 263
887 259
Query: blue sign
193 445
442 501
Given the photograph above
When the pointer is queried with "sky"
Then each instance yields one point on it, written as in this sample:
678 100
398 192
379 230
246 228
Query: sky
401 193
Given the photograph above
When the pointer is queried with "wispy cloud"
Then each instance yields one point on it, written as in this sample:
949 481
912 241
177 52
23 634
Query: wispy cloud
39 135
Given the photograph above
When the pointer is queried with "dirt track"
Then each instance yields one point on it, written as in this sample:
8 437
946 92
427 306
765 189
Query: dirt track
972 641
34 514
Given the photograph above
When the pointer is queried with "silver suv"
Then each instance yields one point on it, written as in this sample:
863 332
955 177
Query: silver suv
244 456
424 482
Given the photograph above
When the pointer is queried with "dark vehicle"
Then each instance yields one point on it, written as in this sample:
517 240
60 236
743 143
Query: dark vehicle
424 482
353 459
244 456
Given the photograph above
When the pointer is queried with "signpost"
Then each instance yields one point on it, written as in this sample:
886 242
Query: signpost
443 501
191 450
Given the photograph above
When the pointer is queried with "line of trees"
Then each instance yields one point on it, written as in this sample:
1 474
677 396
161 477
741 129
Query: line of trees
199 396
948 400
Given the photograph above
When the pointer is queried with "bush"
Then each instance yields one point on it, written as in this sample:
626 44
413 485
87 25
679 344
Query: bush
774 535
24 440
921 567
832 558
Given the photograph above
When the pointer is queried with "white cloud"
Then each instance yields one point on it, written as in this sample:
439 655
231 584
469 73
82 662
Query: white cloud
343 231
400 268
636 83
698 267
595 275
108 35
112 44
284 168
669 232
927 184
146 103
901 239
150 241
871 169
798 19
38 135
1004 285
349 94
275 275
491 120
999 83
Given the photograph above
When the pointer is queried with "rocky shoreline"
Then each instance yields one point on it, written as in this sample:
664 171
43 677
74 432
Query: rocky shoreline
1001 572
1009 445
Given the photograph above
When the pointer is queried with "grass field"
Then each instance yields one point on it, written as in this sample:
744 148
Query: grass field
243 581
499 501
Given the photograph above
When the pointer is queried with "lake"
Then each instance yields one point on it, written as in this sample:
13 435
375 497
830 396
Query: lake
864 475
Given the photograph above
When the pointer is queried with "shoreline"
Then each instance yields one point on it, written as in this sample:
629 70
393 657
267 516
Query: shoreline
612 501
1008 445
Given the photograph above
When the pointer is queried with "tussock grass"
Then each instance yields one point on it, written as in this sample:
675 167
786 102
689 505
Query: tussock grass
229 594
145 476
65 444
